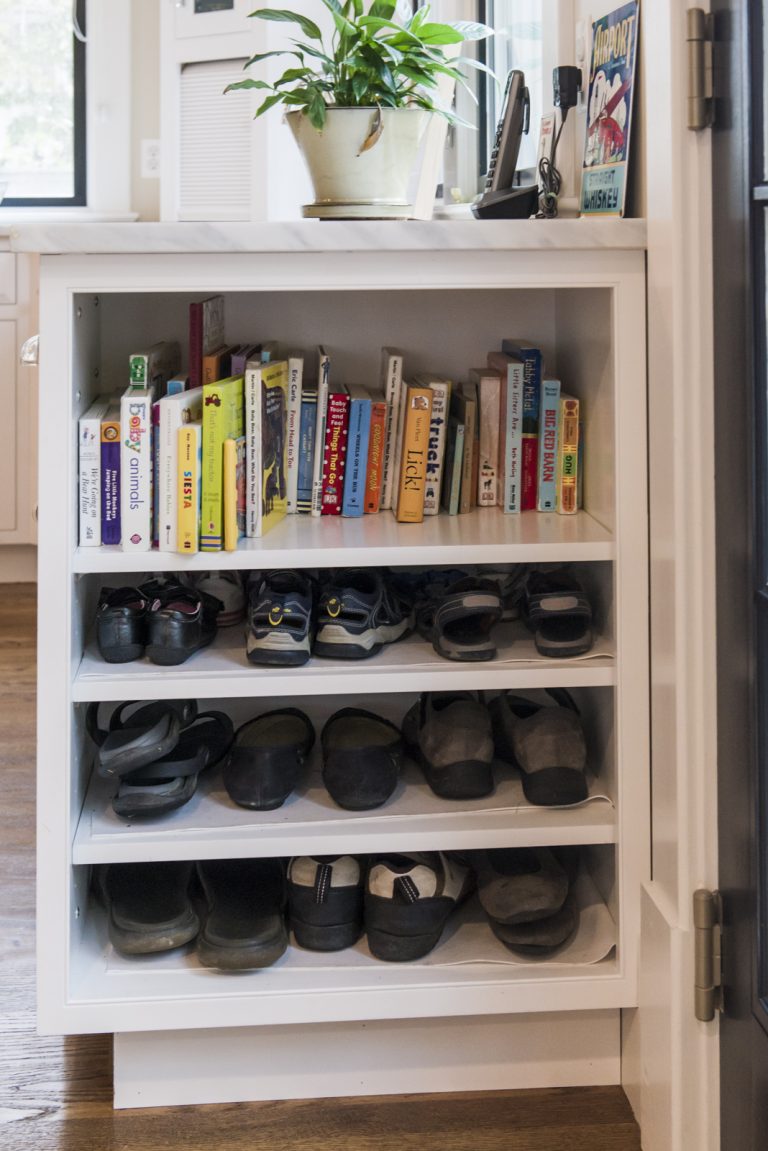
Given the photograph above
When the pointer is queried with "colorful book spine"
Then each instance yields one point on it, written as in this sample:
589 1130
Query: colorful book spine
175 410
254 416
206 332
177 383
533 366
89 473
295 377
375 467
155 473
215 365
190 468
568 455
155 366
136 469
464 407
413 455
233 458
307 427
274 428
222 419
488 384
335 453
511 429
242 355
391 379
323 383
548 449
454 459
358 439
110 475
441 398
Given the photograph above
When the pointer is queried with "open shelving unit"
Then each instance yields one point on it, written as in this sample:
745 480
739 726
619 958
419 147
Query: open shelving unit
445 295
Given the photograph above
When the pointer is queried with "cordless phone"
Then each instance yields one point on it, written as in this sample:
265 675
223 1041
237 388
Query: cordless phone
500 200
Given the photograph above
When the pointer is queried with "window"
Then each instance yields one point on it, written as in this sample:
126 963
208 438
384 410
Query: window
42 102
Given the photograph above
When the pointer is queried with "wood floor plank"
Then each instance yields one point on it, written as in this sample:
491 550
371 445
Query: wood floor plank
56 1093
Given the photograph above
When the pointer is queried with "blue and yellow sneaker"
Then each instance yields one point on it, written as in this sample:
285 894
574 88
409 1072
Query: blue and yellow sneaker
279 632
359 612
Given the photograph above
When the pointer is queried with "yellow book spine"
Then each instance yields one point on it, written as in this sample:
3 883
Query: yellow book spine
413 456
568 456
189 488
231 533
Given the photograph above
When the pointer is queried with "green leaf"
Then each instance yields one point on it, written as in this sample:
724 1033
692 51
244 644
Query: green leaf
268 103
361 84
418 76
439 34
308 27
265 55
470 62
316 109
383 8
247 84
316 53
471 30
292 74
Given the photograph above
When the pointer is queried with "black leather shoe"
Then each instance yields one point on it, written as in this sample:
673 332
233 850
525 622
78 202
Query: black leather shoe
181 620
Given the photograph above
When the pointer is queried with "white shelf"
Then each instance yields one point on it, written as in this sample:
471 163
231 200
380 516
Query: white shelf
211 826
469 972
481 537
222 671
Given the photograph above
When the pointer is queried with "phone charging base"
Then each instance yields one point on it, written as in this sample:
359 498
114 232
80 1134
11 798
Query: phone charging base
508 204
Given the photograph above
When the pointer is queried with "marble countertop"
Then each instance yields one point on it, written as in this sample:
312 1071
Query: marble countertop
328 236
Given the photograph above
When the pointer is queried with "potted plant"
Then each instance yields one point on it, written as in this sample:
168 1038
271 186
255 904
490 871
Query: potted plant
358 106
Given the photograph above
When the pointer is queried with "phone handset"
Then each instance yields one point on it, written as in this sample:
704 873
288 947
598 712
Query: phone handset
500 199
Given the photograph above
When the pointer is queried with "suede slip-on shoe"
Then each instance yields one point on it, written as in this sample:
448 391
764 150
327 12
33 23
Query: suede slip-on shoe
519 884
546 744
449 734
266 758
362 756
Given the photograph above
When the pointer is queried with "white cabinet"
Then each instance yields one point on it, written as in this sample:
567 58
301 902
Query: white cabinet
18 395
446 293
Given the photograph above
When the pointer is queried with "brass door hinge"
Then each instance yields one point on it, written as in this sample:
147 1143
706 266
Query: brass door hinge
700 37
707 923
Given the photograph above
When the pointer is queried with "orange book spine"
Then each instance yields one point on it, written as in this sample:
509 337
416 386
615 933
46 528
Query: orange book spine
413 458
375 468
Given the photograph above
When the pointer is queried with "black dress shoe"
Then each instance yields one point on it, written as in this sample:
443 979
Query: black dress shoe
181 620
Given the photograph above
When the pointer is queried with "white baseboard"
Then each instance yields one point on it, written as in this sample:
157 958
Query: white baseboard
380 1057
18 563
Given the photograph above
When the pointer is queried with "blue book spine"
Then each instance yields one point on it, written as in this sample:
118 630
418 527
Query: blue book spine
533 368
110 493
357 456
306 450
548 425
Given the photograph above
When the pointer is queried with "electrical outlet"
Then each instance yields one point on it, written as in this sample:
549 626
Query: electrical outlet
150 159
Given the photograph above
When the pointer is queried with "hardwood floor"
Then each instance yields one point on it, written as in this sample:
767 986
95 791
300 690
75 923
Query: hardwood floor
56 1094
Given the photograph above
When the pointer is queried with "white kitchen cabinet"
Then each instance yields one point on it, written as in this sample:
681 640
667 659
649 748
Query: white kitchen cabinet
18 404
446 293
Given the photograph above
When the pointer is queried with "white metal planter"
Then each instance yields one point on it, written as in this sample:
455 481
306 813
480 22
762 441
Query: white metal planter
350 182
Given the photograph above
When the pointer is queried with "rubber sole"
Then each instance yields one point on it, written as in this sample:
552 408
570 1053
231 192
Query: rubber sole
555 786
242 956
262 787
470 779
335 642
326 937
401 948
150 941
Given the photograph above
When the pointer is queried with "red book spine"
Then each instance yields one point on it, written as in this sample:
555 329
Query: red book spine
375 467
530 472
335 453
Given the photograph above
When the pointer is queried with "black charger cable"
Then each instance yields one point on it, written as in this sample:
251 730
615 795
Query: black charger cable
566 82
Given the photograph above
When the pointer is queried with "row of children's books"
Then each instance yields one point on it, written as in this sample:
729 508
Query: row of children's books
195 461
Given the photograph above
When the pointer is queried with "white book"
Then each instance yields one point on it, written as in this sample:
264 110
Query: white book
438 425
89 476
175 409
252 394
295 376
323 379
488 383
397 446
136 469
391 379
510 485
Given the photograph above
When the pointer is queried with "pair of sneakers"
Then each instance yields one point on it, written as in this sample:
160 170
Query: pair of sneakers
351 614
401 901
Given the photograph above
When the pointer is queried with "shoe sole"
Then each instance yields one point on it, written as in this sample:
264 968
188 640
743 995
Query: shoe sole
278 651
242 956
554 786
170 657
326 937
160 937
470 779
401 948
335 642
